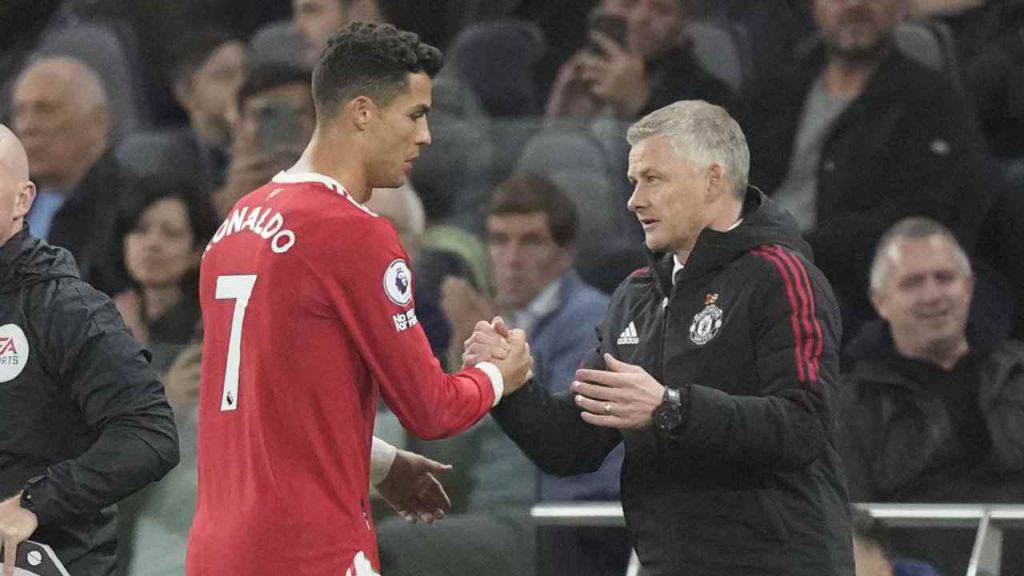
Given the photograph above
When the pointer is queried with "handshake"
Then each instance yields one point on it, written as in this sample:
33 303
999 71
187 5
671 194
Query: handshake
507 349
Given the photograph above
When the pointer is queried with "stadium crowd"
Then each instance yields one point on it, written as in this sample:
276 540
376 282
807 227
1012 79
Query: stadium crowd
891 130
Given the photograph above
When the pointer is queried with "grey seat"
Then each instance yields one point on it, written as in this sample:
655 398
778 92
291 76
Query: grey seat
718 50
277 43
554 152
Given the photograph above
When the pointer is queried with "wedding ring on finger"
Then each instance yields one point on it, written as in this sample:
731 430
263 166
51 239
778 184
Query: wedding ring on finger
608 408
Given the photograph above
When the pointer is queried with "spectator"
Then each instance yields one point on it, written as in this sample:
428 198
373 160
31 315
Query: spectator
859 137
163 229
654 67
209 66
531 234
83 418
932 411
318 20
402 206
301 40
276 119
61 114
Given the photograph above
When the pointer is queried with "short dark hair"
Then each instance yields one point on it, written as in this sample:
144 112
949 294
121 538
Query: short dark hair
148 190
530 194
367 59
269 76
194 48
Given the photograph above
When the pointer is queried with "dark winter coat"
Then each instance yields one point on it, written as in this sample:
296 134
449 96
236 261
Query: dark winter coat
750 483
83 418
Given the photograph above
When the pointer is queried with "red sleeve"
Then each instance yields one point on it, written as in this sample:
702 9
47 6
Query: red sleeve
369 283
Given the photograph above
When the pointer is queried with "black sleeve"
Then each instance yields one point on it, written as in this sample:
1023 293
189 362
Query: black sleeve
550 431
855 440
108 375
796 335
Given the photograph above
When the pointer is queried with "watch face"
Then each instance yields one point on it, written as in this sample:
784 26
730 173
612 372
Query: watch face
667 416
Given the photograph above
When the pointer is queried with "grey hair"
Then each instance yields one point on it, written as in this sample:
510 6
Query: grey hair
702 132
915 228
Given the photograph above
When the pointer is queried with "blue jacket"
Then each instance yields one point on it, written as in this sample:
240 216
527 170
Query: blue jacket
559 342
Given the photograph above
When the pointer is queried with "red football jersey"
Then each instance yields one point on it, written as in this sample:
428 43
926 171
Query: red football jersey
307 316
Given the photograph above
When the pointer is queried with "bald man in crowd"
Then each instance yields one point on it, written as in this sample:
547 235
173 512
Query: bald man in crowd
83 417
61 113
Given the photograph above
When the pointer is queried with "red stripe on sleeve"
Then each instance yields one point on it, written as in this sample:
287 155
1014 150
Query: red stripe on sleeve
787 279
813 344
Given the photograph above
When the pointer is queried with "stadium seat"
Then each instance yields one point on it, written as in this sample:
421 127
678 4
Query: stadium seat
277 43
718 49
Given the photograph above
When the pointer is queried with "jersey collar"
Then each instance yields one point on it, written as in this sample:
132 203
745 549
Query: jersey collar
283 177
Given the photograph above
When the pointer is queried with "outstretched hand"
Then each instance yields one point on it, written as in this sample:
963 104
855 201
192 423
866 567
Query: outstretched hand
412 489
624 396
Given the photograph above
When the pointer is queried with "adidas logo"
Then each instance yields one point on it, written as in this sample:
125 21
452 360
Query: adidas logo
628 336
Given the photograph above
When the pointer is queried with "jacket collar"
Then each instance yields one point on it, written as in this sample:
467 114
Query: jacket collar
763 223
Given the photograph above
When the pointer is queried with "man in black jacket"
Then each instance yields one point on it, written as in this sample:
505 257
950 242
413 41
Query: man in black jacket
717 367
860 136
83 418
933 410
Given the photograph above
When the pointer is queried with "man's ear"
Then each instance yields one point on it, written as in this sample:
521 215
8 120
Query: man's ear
23 199
182 90
716 181
362 111
878 301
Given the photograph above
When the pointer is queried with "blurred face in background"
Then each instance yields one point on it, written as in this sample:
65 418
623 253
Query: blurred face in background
926 293
524 257
61 116
209 93
161 249
317 21
279 118
654 26
857 29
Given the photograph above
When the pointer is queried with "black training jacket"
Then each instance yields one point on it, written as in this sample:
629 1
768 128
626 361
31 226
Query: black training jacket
751 483
80 406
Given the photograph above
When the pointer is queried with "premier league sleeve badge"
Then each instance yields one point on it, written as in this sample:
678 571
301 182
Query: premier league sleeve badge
707 322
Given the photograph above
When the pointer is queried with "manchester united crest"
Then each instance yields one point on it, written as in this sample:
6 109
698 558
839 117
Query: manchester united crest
707 322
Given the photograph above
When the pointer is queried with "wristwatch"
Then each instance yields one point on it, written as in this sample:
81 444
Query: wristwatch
26 501
668 416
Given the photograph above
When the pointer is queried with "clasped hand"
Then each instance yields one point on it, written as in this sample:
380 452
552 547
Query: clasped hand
507 349
623 396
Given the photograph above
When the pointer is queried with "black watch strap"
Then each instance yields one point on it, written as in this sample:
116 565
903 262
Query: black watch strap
26 500
668 416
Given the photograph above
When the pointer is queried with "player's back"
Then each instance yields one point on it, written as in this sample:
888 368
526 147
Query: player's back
286 403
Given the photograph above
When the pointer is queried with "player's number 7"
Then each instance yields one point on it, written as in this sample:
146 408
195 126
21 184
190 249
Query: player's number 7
239 289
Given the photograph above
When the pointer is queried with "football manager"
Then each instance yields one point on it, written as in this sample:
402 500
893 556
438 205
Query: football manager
717 368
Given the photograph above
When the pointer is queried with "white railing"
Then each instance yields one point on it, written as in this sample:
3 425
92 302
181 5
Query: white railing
990 520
